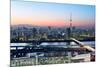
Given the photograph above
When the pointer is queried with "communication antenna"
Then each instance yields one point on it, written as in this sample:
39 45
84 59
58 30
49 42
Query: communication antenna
70 27
70 20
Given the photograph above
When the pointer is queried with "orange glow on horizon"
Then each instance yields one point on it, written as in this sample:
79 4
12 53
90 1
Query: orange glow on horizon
57 23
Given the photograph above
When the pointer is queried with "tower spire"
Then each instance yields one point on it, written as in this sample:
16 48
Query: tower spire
70 25
70 19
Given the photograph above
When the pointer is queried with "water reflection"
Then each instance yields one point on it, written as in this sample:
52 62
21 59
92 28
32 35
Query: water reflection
54 44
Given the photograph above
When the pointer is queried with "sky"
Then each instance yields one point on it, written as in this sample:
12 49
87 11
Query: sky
51 14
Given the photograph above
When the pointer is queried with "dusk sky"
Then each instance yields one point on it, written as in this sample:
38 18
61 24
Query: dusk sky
51 14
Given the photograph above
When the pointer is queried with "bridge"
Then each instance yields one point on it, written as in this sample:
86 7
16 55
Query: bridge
82 45
31 49
48 40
